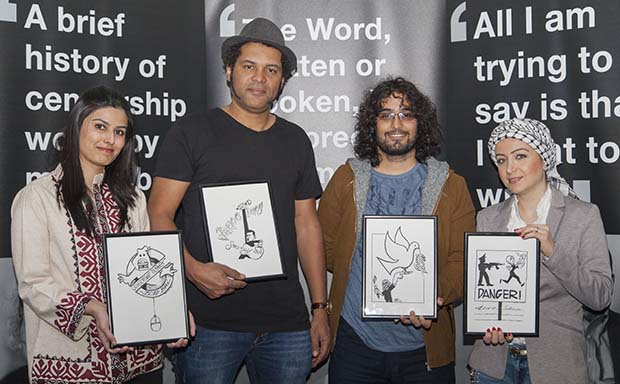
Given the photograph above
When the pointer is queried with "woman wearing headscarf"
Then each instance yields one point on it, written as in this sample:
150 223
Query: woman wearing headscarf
56 232
575 268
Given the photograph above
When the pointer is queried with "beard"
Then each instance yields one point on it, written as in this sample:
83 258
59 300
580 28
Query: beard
396 148
239 98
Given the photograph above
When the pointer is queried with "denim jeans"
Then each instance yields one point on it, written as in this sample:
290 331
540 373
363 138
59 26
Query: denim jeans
216 356
517 371
352 362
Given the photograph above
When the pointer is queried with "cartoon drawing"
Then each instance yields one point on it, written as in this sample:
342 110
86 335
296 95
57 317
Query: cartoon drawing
483 267
386 286
401 254
149 275
252 248
511 265
402 258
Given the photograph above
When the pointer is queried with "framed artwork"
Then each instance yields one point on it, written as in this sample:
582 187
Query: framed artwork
240 227
502 278
146 287
400 266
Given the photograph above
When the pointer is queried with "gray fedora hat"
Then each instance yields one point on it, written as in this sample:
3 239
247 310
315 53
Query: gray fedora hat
264 31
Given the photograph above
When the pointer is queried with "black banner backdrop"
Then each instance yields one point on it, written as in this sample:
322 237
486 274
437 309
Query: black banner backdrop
555 61
481 62
51 51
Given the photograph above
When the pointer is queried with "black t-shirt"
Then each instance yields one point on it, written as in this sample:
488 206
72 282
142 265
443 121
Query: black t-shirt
214 148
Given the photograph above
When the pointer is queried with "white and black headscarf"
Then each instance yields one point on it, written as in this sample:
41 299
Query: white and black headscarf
536 135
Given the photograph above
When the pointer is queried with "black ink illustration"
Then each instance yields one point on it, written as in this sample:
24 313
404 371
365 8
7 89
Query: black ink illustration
387 286
513 265
483 267
499 287
401 258
502 283
149 275
250 247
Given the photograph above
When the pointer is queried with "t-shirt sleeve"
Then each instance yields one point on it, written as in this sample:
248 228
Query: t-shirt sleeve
308 184
175 158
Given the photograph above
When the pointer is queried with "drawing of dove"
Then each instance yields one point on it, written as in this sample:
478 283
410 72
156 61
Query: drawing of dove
401 254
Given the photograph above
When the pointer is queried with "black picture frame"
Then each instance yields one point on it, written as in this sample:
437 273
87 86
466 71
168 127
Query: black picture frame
226 212
145 286
399 266
495 293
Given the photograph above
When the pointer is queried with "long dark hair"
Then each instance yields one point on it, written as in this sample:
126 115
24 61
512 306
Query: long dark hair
120 175
428 137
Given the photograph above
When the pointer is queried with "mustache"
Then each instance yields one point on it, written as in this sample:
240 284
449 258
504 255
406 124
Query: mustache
396 132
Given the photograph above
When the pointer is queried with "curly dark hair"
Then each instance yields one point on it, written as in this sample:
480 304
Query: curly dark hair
230 58
428 136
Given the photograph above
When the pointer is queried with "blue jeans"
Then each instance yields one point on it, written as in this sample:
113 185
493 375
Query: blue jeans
352 362
517 371
216 356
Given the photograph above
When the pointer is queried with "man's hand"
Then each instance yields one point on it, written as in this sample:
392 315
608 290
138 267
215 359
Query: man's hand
312 260
213 279
182 343
419 321
319 334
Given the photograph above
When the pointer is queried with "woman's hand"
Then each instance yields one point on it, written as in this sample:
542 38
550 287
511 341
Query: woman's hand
495 336
99 312
540 232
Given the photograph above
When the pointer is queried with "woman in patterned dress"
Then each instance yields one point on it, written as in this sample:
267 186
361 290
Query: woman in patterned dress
56 232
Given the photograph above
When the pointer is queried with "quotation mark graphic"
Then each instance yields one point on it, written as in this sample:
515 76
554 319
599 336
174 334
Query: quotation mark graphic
227 26
458 29
8 11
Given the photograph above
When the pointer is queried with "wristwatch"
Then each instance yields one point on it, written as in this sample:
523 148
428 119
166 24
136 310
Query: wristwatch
326 306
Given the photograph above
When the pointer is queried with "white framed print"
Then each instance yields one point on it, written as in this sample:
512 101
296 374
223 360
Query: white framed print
502 278
240 227
145 282
400 266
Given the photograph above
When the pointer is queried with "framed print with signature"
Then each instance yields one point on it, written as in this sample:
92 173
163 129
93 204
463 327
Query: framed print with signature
399 266
146 287
501 283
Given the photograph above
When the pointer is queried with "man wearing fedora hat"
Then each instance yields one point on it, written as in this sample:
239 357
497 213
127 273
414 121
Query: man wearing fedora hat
262 324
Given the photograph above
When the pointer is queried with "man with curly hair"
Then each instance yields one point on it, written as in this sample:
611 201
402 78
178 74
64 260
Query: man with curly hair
394 173
263 324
